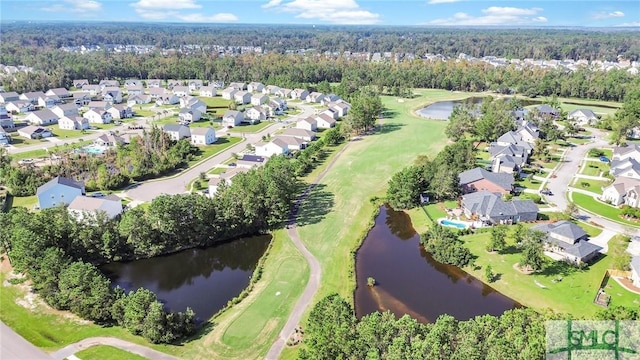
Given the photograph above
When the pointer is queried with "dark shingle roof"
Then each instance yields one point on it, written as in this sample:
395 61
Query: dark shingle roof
562 228
489 204
59 180
505 181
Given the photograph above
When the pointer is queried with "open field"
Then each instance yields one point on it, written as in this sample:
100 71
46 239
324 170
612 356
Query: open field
606 211
106 352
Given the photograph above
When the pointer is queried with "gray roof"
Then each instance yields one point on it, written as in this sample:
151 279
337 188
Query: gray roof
620 150
586 112
233 113
581 249
491 205
59 180
562 228
511 149
618 168
503 180
635 263
173 127
510 137
546 109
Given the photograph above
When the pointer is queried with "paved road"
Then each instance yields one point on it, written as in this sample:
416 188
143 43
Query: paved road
315 270
15 347
149 190
121 344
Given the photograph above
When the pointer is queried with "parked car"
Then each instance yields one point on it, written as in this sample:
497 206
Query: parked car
604 159
546 192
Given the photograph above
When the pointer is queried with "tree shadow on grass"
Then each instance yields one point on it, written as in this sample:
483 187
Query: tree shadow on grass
387 128
318 203
509 250
558 268
204 330
388 113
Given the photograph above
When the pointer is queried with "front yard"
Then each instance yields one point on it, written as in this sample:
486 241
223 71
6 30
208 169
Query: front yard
591 185
595 168
250 128
599 208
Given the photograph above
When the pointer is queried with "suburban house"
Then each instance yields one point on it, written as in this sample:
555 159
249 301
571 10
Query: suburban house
251 161
120 111
259 99
42 117
5 97
98 105
303 134
209 91
187 115
194 84
299 94
324 121
329 98
340 107
108 84
173 83
255 87
156 92
256 114
193 103
32 97
293 143
217 84
88 207
97 116
583 117
181 91
59 191
132 82
622 191
569 241
479 179
34 132
489 208
177 132
6 121
73 123
93 90
69 109
528 132
238 85
274 147
331 113
48 101
79 83
545 110
112 95
242 97
513 138
229 93
507 159
284 93
61 93
629 168
19 106
154 83
309 123
106 140
138 99
635 270
226 178
203 136
5 139
270 90
232 118
135 90
167 99
315 97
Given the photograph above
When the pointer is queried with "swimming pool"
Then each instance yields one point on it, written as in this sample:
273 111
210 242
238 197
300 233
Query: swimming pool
93 149
453 223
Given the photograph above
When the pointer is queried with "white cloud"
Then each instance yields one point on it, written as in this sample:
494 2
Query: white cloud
217 18
328 11
432 2
630 24
165 5
608 15
173 10
83 7
495 15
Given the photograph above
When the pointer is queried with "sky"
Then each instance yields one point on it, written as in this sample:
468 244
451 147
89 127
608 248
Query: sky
475 13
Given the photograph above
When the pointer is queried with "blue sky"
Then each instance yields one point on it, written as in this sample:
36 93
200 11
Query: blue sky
326 12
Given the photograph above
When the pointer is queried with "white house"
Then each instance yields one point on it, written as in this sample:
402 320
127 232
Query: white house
32 97
88 207
19 106
192 102
167 99
97 116
284 93
203 136
299 94
229 93
226 177
42 117
303 134
232 118
242 97
98 105
73 123
69 109
255 113
5 97
293 143
93 90
173 83
325 121
138 99
112 95
106 140
79 83
238 85
275 147
181 91
315 97
120 111
209 91
177 132
154 83
189 115
309 123
156 92
259 99
331 113
47 102
582 117
341 107
270 90
34 132
635 270
255 87
135 90
6 121
61 93
194 84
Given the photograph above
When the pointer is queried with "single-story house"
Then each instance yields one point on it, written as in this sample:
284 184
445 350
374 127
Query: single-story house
229 93
489 208
251 161
479 179
582 117
97 116
5 97
274 147
259 99
59 191
88 207
20 106
255 113
324 121
209 91
34 132
177 132
568 240
73 123
107 140
203 136
232 118
42 117
70 109
303 134
309 123
242 97
255 87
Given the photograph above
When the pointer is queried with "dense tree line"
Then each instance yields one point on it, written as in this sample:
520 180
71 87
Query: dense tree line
147 156
438 177
333 332
60 68
523 43
446 246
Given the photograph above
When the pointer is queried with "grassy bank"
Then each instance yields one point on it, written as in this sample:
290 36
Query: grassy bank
592 205
105 352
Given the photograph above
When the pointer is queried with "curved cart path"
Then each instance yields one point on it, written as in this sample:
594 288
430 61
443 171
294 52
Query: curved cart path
121 344
314 267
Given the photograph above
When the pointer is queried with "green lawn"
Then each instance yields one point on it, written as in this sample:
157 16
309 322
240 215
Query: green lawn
529 183
25 201
591 185
143 113
66 134
595 168
210 150
40 153
19 141
607 211
250 128
548 165
217 170
215 102
593 231
105 352
578 140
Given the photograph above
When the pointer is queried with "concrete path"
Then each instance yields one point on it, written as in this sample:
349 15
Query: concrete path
591 177
121 344
314 269
15 347
603 239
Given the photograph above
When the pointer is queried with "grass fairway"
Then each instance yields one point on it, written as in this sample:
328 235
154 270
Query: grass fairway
105 352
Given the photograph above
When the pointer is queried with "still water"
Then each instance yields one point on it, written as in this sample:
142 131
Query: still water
203 279
410 281
441 110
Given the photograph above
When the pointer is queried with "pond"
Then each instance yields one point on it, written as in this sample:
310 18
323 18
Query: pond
203 279
410 281
441 110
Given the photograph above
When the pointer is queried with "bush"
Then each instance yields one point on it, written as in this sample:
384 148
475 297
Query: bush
596 153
